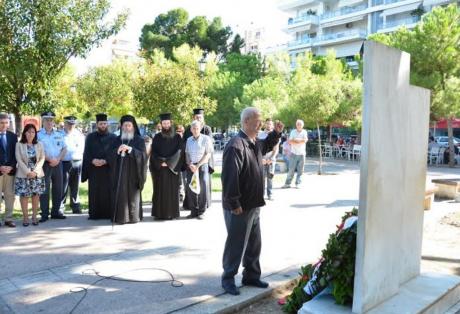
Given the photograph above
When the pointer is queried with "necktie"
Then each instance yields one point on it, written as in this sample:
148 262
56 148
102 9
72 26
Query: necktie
4 141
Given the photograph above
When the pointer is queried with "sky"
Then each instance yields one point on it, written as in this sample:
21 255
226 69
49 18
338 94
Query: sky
238 14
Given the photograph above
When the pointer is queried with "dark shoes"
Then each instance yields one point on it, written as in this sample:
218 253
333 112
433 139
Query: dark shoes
60 216
231 289
255 283
10 224
43 219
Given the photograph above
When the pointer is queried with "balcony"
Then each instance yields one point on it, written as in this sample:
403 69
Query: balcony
343 11
392 25
334 38
301 43
307 19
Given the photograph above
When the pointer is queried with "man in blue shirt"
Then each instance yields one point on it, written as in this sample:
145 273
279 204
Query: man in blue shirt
72 163
55 150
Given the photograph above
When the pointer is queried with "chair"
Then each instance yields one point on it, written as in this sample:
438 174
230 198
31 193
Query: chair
326 151
356 152
433 155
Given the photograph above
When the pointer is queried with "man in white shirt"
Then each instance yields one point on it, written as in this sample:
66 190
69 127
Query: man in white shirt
298 139
72 163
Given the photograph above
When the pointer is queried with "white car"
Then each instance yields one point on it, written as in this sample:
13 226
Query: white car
444 141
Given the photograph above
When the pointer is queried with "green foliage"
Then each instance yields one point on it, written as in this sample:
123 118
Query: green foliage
108 89
227 86
38 38
173 29
298 296
170 87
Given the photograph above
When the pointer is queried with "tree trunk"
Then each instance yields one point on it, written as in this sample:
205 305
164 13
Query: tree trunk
17 122
450 134
330 133
320 166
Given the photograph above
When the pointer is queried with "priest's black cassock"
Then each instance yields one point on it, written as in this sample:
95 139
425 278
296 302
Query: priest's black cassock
128 176
97 146
168 149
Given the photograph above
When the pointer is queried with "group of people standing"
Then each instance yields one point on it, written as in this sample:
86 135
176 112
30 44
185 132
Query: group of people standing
48 163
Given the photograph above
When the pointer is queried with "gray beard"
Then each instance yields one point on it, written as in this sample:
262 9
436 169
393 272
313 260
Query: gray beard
127 136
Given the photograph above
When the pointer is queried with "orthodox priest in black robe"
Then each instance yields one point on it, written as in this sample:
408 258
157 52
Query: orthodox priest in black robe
166 160
198 115
95 169
128 162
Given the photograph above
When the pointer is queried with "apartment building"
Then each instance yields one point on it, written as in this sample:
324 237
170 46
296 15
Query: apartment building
343 25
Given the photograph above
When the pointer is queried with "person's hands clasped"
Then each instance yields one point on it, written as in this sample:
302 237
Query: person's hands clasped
124 149
193 168
31 175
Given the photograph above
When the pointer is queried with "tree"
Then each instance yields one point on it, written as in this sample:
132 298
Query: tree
434 46
173 29
227 85
37 40
269 93
64 95
173 87
108 89
330 95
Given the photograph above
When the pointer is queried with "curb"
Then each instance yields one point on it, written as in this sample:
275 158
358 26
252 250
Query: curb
224 303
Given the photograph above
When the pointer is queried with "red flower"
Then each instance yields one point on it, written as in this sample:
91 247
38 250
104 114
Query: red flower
282 301
305 278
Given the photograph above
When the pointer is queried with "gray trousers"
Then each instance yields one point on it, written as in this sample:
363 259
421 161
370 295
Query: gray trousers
296 164
244 242
53 177
71 175
269 172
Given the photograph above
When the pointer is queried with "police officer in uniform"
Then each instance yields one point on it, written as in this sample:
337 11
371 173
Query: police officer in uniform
55 150
72 163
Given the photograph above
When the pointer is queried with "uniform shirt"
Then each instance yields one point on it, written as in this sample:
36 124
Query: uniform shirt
196 148
297 148
53 143
75 143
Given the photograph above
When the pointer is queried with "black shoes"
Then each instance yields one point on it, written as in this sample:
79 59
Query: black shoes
60 216
43 219
255 283
231 289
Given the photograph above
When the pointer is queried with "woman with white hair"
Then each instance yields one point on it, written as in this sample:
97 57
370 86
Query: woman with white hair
198 150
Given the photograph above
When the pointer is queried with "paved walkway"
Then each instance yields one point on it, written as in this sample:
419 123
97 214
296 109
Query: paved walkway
39 266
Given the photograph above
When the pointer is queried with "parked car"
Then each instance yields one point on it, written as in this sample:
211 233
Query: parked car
444 141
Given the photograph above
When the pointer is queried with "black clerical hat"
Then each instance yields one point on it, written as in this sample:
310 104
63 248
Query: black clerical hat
165 116
101 117
198 111
70 119
48 114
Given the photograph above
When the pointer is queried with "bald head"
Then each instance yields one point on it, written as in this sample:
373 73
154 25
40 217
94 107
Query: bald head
251 121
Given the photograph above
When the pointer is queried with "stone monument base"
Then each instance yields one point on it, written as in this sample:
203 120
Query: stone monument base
426 293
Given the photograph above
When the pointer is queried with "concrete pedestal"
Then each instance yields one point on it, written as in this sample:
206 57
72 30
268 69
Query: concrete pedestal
426 293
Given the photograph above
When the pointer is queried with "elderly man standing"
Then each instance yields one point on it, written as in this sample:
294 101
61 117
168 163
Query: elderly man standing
72 163
8 142
242 197
298 139
198 150
128 171
55 149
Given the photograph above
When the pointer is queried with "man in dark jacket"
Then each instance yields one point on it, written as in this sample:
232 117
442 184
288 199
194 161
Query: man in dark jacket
8 142
242 197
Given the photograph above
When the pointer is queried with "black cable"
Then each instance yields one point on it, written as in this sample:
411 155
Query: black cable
173 281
